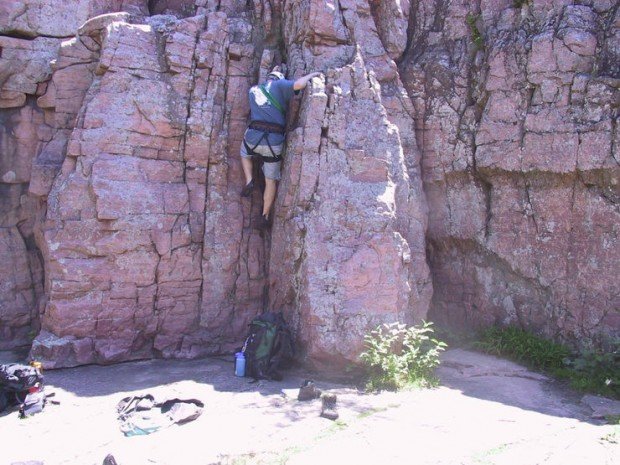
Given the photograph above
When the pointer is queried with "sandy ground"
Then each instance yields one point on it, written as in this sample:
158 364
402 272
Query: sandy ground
486 411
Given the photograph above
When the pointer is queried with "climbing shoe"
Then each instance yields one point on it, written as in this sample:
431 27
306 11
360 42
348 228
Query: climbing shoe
247 189
263 223
328 409
308 391
109 460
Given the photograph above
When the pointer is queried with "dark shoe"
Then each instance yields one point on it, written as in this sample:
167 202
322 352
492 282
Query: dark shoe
308 391
247 189
263 223
109 460
328 409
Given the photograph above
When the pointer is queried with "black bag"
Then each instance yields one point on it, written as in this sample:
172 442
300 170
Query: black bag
17 377
268 347
16 382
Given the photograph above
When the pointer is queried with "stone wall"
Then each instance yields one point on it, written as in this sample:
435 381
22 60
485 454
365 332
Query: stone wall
456 161
33 137
516 115
348 247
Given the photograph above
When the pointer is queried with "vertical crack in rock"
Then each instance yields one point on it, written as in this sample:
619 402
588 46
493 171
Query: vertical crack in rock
152 6
196 237
191 247
392 20
487 188
615 141
21 130
234 272
529 210
17 283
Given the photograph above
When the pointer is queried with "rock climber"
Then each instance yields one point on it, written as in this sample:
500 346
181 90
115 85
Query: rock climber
264 137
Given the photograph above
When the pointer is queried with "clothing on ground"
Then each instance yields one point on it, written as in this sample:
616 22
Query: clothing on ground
143 414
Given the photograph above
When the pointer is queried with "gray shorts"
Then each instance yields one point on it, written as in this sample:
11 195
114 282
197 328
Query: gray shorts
270 170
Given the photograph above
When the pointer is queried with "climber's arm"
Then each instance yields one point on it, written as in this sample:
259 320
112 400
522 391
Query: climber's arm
303 81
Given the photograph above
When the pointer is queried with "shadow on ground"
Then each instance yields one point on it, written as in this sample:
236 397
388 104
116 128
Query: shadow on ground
475 375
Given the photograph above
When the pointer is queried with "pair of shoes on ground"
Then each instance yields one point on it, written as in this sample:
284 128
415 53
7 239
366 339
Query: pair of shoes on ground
308 391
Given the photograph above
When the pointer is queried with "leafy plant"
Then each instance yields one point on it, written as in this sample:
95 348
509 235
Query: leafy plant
595 370
398 355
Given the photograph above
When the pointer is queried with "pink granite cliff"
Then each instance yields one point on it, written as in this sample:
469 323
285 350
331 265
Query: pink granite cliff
456 161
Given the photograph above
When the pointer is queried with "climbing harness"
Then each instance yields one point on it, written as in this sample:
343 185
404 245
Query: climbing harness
266 128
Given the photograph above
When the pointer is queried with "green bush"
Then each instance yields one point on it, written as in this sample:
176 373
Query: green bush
589 370
398 356
596 371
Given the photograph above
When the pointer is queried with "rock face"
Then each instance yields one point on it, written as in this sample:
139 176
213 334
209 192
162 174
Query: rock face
57 18
517 110
348 249
456 160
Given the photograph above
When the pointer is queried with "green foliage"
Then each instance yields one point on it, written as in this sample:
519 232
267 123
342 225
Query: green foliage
524 347
589 371
476 36
613 419
596 371
520 3
398 355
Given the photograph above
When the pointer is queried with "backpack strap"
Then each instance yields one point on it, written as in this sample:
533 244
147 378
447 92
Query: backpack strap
271 99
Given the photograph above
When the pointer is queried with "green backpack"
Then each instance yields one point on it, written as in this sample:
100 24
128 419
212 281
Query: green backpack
268 347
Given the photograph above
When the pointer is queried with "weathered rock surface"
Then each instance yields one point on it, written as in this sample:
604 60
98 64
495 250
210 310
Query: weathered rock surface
17 289
348 244
58 18
120 216
516 112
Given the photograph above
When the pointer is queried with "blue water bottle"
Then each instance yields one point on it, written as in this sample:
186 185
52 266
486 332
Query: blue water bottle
239 364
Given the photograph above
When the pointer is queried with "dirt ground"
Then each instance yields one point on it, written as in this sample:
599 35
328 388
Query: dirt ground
486 411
